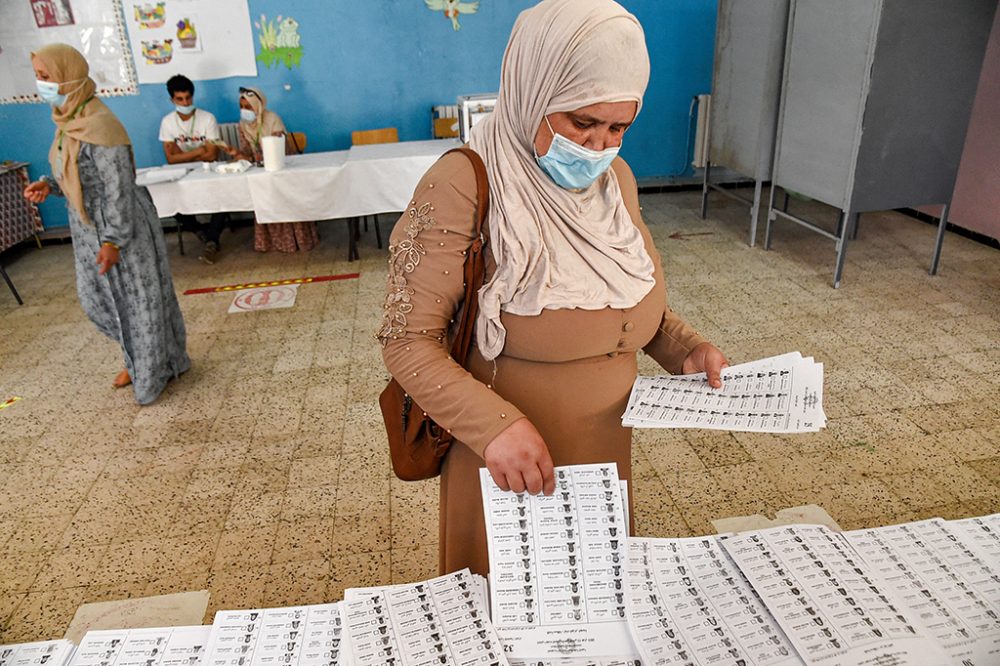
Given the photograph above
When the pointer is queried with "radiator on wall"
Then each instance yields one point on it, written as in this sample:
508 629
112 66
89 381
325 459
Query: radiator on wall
701 131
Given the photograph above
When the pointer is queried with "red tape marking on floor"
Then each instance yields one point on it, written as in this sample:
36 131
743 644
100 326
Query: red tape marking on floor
272 283
8 403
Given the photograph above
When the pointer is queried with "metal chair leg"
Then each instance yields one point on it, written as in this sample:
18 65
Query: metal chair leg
704 190
844 229
755 211
939 241
770 216
378 231
352 239
180 238
10 285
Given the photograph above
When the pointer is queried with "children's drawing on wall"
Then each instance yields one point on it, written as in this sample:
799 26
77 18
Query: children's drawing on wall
52 13
279 41
157 52
452 8
150 16
187 34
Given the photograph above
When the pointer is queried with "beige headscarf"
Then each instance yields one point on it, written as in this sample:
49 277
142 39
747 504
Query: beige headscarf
82 119
555 248
267 122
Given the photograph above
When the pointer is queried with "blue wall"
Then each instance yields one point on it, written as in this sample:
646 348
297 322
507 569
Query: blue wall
376 64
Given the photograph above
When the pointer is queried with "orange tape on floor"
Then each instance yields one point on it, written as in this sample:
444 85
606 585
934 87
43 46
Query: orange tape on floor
272 283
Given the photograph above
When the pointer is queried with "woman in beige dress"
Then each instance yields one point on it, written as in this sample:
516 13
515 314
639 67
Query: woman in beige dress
574 285
256 122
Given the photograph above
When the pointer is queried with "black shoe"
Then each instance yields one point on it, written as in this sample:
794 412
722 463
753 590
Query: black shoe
209 252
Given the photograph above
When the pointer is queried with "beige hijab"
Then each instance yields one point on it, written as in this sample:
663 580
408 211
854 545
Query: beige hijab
82 119
267 123
555 248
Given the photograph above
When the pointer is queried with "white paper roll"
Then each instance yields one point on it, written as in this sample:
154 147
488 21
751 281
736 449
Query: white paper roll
273 148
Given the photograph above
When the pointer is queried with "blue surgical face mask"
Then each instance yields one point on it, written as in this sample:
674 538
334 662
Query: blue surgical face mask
184 110
49 92
571 165
248 115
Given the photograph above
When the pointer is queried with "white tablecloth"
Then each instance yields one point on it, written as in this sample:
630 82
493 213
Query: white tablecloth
305 190
365 180
201 192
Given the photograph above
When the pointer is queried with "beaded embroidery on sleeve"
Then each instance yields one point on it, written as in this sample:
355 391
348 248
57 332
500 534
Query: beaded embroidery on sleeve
404 257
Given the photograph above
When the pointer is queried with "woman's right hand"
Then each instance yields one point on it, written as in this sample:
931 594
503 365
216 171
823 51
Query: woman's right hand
37 191
519 460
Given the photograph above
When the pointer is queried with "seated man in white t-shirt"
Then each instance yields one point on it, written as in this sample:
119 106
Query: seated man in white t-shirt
187 134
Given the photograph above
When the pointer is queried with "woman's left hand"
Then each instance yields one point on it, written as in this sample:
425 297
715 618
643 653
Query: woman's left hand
107 257
706 358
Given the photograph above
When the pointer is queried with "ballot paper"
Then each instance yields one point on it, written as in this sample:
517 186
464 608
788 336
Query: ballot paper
292 636
834 608
575 662
437 622
781 394
39 653
163 646
688 603
557 566
982 535
951 588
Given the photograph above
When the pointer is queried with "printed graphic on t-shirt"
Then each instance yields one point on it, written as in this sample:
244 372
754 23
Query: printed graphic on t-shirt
187 143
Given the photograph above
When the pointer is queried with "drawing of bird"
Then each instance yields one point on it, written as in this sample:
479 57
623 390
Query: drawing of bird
452 8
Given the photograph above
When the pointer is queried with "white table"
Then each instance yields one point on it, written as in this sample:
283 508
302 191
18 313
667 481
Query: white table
365 180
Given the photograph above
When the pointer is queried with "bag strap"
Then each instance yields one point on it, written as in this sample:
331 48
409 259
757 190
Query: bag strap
475 260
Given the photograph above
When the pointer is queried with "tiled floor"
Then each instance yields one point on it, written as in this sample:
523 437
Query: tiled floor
262 474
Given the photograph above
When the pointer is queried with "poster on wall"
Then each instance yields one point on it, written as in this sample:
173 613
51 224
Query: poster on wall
96 28
201 39
52 13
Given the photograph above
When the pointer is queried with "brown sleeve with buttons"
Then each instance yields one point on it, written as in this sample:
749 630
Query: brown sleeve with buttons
423 293
674 338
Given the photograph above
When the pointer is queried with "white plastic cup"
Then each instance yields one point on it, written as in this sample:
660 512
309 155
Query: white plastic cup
273 148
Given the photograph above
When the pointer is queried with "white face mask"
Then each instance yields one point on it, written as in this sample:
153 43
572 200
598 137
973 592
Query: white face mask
248 115
572 166
49 91
184 110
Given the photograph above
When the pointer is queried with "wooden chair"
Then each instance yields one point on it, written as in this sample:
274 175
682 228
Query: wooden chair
445 128
367 137
363 138
298 141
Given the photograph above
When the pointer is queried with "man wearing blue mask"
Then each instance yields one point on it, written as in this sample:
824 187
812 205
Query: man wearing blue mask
187 134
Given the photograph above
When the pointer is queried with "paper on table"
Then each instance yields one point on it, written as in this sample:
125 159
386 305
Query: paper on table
688 602
38 653
982 534
438 621
292 636
157 646
556 566
160 175
832 606
939 578
782 394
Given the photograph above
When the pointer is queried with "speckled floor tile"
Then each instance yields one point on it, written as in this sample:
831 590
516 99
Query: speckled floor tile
262 474
412 564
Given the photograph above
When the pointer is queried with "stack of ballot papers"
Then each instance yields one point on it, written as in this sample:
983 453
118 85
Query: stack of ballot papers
781 394
291 636
439 622
557 566
40 653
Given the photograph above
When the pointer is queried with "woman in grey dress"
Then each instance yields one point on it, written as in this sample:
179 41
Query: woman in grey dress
122 273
